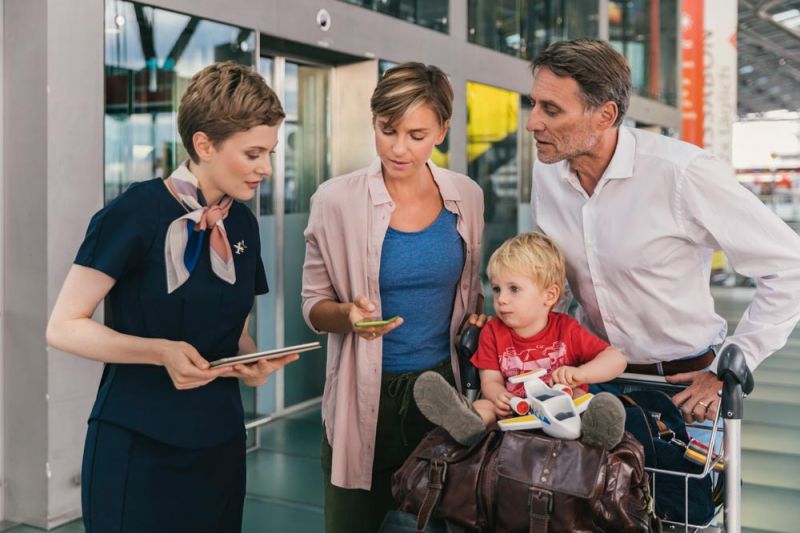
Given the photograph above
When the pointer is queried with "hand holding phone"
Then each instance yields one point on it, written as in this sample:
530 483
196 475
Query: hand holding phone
375 323
364 323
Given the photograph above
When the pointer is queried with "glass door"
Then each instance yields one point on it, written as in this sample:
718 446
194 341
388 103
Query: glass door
492 161
301 162
307 164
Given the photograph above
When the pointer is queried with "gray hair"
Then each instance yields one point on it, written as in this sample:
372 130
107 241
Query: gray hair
601 72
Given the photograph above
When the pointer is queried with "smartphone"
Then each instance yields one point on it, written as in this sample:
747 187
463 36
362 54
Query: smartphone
375 323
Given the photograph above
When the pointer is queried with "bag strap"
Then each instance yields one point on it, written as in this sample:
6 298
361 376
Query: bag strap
540 508
664 432
436 477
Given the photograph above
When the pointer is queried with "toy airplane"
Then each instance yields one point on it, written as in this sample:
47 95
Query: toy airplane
550 408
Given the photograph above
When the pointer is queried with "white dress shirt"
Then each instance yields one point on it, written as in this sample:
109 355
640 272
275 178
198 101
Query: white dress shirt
639 250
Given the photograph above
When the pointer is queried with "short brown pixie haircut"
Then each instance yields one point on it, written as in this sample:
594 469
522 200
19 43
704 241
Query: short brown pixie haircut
224 99
406 86
601 72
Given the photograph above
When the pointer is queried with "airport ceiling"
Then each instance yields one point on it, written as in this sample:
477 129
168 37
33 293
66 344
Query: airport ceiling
768 43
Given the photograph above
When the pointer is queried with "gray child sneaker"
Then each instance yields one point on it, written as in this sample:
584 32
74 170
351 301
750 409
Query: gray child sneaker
441 403
603 423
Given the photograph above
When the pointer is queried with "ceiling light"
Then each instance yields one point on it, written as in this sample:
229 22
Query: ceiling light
789 18
786 15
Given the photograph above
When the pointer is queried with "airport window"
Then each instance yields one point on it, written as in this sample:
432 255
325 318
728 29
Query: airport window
431 14
523 28
493 119
646 31
150 55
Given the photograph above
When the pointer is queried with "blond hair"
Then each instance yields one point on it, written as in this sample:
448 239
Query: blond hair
409 85
532 255
224 99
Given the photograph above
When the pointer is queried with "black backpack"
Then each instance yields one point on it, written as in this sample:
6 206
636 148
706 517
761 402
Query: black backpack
654 420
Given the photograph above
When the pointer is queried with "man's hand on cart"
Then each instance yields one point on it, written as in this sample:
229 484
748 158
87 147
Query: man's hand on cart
700 400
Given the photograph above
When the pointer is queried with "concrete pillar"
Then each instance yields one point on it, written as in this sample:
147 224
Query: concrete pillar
53 182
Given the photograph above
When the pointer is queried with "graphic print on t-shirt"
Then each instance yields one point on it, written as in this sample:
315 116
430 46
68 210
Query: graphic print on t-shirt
548 357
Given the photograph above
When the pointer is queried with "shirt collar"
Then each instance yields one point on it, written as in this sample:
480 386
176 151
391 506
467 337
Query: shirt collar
377 188
621 164
380 195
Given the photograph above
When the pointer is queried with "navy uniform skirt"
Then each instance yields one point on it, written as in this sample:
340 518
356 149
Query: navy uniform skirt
134 484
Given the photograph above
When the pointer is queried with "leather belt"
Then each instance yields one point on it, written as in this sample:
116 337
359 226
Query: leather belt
668 368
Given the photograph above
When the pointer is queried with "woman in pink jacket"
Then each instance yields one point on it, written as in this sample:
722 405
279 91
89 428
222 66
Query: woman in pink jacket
398 238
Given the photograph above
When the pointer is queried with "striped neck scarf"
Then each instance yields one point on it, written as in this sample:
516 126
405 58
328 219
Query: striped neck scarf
185 235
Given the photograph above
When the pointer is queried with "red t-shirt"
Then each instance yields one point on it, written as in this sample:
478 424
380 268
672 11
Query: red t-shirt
562 342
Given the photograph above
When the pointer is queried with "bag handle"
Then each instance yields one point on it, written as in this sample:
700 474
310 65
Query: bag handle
436 477
540 508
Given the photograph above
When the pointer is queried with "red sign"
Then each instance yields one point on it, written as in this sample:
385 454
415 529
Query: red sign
692 78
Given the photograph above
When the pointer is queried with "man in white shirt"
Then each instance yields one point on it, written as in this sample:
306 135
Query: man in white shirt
638 215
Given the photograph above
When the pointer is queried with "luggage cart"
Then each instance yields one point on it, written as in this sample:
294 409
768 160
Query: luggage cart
737 382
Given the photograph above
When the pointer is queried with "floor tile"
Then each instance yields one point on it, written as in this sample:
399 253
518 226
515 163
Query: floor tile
262 516
285 477
293 436
770 437
771 469
770 508
72 527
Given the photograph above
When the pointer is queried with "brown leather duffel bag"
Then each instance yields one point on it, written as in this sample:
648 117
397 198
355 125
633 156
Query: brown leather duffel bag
526 482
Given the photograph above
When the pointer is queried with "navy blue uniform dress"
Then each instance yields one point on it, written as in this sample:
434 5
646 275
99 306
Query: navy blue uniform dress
156 458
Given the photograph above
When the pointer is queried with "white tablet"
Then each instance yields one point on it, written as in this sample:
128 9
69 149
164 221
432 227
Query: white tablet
269 354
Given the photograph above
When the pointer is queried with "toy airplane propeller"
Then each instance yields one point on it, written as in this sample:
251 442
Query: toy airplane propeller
550 409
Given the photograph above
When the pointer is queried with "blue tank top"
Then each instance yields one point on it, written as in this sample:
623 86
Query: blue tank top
419 276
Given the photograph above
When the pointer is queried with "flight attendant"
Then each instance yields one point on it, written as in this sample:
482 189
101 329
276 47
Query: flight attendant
180 260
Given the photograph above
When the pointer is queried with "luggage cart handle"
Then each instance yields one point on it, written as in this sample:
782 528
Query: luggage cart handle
466 346
737 381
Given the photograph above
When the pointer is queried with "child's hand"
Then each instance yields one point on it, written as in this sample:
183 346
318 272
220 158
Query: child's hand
501 404
567 375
